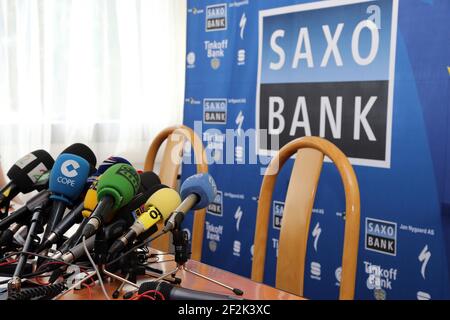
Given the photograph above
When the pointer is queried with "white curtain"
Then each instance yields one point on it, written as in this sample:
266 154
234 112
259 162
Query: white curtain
107 73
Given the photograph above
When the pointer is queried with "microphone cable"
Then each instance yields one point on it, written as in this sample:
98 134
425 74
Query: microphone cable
36 273
95 268
41 292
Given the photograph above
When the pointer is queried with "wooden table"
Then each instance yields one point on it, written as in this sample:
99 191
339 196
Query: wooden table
252 290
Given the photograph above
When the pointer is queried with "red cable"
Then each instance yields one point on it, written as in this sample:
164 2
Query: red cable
146 294
49 263
89 290
7 263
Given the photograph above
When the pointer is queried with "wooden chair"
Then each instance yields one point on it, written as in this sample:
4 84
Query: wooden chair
299 203
170 166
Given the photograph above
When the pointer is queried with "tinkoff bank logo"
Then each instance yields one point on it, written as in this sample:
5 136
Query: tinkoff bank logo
216 207
326 68
216 17
381 236
215 111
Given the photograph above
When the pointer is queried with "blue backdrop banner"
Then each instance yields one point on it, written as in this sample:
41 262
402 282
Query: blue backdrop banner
371 76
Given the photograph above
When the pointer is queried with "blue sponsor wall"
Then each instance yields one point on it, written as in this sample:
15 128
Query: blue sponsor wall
370 76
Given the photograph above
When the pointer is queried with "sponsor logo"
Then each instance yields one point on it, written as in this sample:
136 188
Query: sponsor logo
338 275
239 150
237 4
216 207
69 168
275 246
215 111
424 257
193 101
241 57
378 277
381 236
195 11
215 63
317 231
417 230
213 232
242 24
379 294
215 50
316 271
212 246
216 17
238 216
423 296
277 214
237 248
234 195
350 101
190 59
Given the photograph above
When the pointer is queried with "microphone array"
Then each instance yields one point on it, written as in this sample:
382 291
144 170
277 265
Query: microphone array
108 210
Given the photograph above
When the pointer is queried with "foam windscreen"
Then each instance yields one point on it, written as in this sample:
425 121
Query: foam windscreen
203 185
166 200
149 179
120 182
27 170
82 151
68 177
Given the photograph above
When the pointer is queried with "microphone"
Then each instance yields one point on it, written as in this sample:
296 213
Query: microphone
112 231
86 207
67 180
26 210
25 173
197 192
66 223
171 292
149 179
116 188
159 206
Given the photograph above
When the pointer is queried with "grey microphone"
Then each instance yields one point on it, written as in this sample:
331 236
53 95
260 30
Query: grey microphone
171 292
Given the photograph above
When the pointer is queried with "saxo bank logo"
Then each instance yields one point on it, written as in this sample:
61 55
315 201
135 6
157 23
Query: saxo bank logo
277 214
216 17
326 68
69 168
216 207
381 236
215 111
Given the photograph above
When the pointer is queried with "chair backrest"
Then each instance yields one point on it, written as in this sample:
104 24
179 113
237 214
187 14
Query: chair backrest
310 152
170 167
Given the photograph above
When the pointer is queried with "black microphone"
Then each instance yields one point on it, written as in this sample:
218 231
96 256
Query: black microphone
171 292
7 236
112 231
66 223
25 173
26 210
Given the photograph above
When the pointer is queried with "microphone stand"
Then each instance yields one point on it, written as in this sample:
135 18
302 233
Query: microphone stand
183 254
36 227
